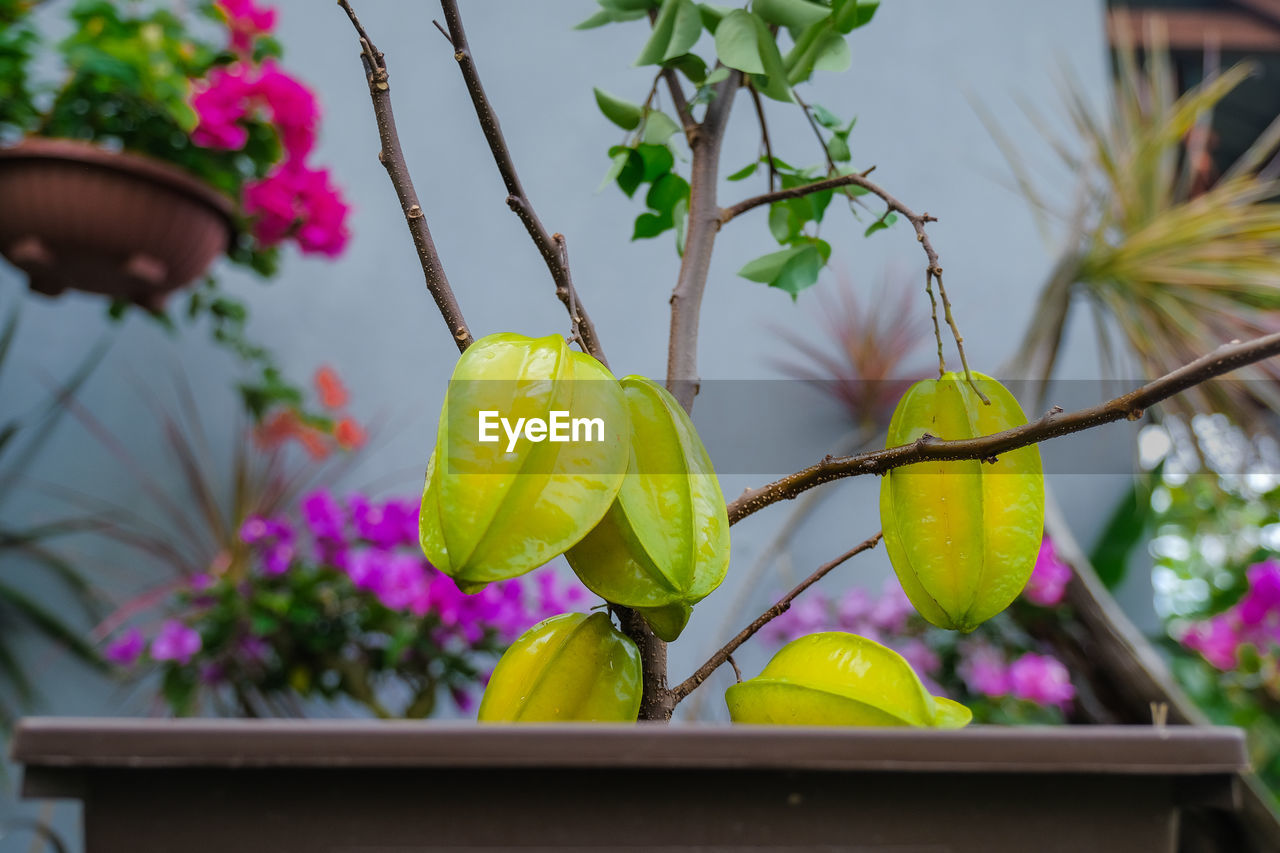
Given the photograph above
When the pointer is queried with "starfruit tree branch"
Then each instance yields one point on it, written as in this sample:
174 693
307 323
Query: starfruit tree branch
919 221
703 223
684 688
392 157
550 246
1130 406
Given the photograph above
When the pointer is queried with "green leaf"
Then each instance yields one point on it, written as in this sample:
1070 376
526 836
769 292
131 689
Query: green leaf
833 54
1125 530
745 172
851 14
791 13
691 66
738 42
800 272
773 82
656 159
610 16
651 225
679 218
881 224
629 6
712 15
675 32
825 117
624 114
632 174
766 268
782 224
659 127
838 148
666 192
716 76
615 168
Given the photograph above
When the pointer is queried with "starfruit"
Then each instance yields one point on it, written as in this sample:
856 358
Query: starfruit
570 668
962 536
492 510
663 545
838 679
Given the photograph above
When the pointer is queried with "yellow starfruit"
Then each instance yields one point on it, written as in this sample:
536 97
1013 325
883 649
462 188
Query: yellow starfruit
570 668
663 545
838 679
500 502
962 536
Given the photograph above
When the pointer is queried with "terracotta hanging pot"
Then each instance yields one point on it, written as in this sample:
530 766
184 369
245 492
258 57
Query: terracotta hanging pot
77 216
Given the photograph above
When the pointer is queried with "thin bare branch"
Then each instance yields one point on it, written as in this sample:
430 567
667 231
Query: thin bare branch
1129 407
764 137
517 199
684 688
679 102
392 157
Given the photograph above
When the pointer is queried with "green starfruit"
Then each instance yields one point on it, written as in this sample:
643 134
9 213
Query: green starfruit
495 509
962 536
663 545
573 667
838 679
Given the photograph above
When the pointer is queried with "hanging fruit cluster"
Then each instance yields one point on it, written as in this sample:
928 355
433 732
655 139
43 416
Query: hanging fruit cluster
638 513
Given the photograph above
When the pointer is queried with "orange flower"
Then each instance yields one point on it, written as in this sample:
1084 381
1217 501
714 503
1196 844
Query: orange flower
285 425
349 434
333 394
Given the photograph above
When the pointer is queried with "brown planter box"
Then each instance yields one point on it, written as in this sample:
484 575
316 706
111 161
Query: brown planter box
74 215
361 787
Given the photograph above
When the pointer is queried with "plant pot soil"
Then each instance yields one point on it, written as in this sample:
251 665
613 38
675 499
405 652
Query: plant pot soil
251 785
77 216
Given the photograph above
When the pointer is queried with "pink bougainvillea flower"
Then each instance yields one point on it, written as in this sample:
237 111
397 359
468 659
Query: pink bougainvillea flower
333 394
983 669
127 648
221 102
1217 639
1041 679
1261 604
1049 578
175 642
247 22
293 108
891 612
298 201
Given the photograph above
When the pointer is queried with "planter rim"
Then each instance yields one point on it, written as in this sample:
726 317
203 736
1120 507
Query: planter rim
139 165
105 743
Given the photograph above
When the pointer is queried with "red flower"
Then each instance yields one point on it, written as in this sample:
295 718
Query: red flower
333 394
349 434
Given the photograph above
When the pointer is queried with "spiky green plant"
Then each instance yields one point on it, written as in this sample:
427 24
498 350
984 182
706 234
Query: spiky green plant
1170 267
21 439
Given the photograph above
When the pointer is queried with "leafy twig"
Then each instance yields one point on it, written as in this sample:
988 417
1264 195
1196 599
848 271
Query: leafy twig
392 157
1129 407
550 248
933 272
684 688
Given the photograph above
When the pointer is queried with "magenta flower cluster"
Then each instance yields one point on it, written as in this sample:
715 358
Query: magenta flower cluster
375 543
1252 621
295 200
1032 677
174 641
1049 578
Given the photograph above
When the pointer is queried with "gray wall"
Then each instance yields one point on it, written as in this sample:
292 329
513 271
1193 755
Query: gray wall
915 70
